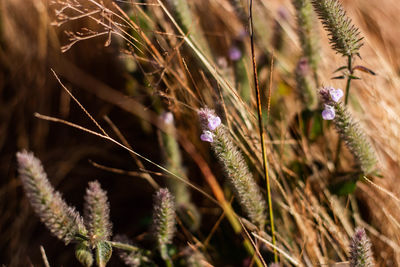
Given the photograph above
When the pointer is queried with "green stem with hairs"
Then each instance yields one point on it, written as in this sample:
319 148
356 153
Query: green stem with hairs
346 100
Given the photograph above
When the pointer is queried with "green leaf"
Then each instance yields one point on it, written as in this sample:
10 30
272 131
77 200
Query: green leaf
103 253
341 77
345 184
364 69
341 68
354 77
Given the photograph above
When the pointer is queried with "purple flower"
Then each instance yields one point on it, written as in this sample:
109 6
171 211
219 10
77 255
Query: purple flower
235 54
336 94
213 122
207 136
328 113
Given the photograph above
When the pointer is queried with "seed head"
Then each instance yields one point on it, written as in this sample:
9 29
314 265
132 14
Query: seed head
63 221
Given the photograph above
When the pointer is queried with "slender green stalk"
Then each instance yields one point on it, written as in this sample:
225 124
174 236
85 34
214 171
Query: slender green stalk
262 133
350 70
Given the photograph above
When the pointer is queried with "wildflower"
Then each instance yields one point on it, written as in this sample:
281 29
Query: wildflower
208 119
234 53
213 122
235 167
328 113
209 122
349 130
336 94
207 136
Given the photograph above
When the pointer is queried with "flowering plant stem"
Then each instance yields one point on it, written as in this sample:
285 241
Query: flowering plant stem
346 99
262 133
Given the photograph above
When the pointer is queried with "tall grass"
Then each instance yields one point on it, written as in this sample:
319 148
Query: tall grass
183 56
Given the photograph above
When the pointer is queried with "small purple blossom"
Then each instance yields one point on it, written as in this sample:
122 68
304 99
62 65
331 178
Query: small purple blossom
336 94
234 53
208 119
213 122
328 113
207 136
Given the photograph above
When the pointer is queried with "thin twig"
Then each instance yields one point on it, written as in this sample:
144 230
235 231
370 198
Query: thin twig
44 257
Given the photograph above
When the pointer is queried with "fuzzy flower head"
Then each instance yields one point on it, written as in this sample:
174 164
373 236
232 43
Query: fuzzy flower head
330 97
208 120
209 123
164 219
360 250
97 213
63 221
344 37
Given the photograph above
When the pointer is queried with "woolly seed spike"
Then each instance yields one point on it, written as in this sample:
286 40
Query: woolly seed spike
97 213
236 170
352 134
360 250
355 140
305 89
173 161
242 181
306 32
343 35
164 220
62 221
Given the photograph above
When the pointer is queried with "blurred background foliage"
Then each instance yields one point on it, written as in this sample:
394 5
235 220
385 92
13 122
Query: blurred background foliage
127 85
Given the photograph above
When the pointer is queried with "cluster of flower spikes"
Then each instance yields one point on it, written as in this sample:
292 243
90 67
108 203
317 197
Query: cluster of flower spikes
330 97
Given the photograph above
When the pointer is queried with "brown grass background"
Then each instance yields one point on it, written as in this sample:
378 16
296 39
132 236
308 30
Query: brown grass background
97 76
